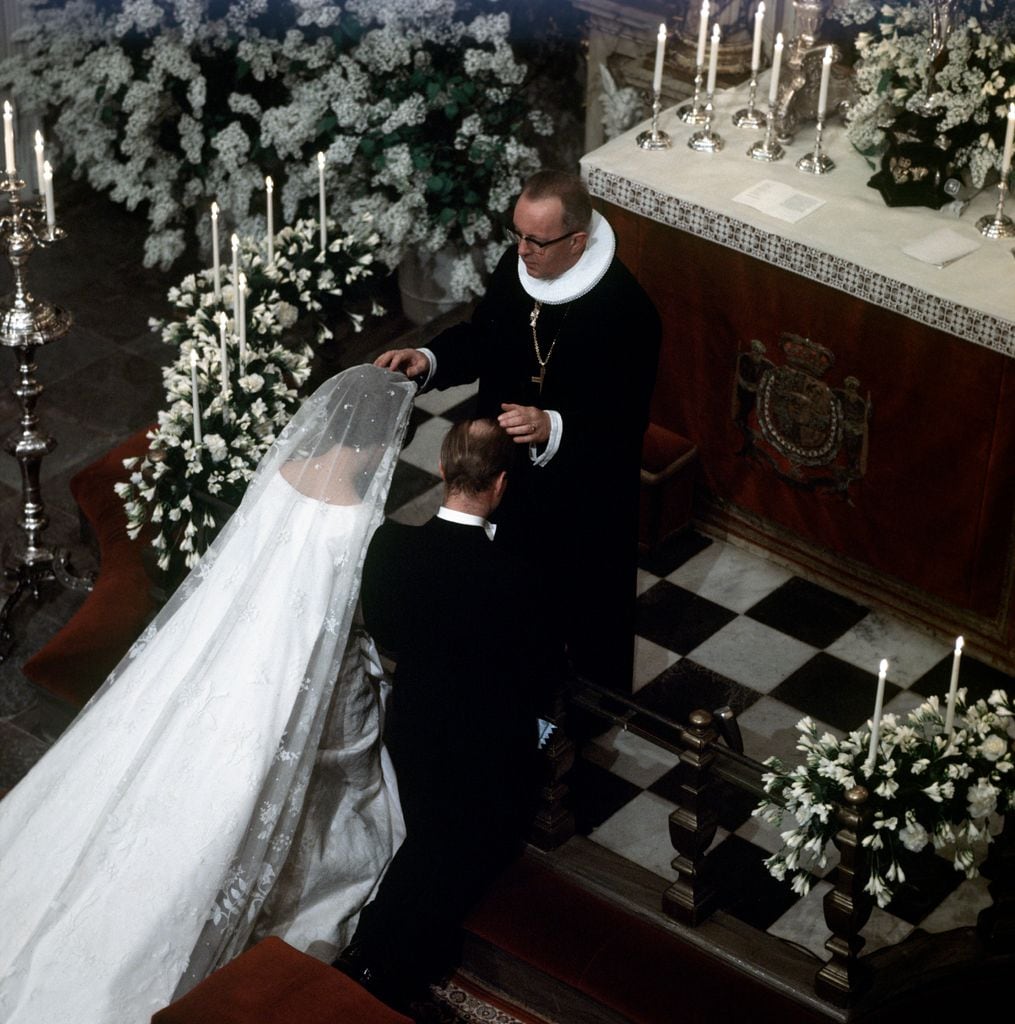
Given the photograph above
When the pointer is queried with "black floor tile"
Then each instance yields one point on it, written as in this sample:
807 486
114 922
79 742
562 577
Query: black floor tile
676 619
833 691
746 889
979 680
733 805
465 410
596 794
929 879
407 483
686 687
673 552
808 612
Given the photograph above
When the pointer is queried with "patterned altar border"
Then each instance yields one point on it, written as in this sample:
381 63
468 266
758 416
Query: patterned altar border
860 282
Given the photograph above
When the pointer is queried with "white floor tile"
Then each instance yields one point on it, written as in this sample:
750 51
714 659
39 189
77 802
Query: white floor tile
752 654
421 509
425 450
436 402
649 660
959 908
769 728
884 929
729 576
804 923
636 759
646 580
639 832
910 652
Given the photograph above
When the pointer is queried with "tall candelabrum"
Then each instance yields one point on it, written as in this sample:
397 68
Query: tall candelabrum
998 225
694 112
655 138
26 324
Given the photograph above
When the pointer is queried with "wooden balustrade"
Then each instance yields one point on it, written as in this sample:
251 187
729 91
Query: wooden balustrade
847 906
693 824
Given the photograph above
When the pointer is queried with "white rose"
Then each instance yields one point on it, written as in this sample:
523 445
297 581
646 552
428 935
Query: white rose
216 446
252 383
993 747
914 836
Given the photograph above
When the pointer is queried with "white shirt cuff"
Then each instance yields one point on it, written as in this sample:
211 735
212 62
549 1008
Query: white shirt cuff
431 371
553 444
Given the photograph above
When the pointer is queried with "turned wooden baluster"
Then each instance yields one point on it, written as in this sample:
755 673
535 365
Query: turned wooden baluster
847 906
554 822
692 825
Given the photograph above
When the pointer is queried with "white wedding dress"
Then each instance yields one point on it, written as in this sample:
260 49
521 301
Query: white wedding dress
228 781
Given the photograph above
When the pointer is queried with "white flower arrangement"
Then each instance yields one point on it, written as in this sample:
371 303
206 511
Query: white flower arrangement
968 85
169 105
925 787
190 480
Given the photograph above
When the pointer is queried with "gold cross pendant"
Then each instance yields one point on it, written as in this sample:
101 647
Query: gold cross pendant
539 380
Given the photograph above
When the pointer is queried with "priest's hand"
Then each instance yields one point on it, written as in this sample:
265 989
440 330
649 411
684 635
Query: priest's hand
409 361
525 423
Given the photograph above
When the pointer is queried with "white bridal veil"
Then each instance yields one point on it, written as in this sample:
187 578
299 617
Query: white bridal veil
232 758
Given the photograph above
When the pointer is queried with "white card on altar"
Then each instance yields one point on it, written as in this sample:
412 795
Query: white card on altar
779 200
941 247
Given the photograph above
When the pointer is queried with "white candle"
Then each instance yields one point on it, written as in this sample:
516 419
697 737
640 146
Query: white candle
826 67
9 138
713 61
759 18
879 701
198 437
1009 135
324 214
773 88
47 184
702 33
269 186
223 323
953 685
216 265
657 74
236 277
40 163
243 320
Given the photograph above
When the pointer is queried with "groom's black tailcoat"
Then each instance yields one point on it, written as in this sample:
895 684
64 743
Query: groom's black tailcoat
467 631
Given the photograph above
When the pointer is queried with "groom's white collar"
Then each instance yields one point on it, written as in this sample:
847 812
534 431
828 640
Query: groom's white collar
583 276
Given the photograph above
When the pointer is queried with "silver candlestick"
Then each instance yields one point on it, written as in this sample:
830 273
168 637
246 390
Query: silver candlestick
654 138
705 140
26 324
750 117
768 149
1000 224
694 112
816 162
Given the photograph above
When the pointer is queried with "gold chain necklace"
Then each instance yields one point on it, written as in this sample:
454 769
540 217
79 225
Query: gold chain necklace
533 319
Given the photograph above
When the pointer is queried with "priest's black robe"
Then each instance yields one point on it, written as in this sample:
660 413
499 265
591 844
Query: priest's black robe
576 517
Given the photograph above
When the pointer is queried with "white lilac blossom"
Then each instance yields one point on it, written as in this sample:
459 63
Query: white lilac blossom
168 105
924 787
968 87
287 300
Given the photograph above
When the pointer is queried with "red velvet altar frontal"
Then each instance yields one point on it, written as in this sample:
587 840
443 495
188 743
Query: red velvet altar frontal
934 509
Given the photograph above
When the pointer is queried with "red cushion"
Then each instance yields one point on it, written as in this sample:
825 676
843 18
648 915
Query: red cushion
76 661
272 983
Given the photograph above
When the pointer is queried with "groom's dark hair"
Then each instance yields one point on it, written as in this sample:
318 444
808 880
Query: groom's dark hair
474 453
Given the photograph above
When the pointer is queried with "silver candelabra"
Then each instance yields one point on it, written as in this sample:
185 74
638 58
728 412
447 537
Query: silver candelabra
1000 224
26 323
654 138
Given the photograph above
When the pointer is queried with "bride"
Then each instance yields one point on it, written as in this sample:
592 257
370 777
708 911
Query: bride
228 779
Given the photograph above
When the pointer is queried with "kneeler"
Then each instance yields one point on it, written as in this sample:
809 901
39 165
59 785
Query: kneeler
76 661
667 485
272 983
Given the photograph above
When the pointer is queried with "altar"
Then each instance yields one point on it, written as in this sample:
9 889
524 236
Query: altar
853 406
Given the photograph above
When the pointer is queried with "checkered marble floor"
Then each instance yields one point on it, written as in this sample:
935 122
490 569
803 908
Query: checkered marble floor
718 625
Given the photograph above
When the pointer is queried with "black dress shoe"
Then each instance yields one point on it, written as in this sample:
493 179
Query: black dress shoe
381 984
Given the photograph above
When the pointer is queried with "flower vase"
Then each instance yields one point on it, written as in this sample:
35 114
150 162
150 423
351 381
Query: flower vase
424 281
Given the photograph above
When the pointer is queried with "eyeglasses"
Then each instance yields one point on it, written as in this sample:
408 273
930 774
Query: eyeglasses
517 237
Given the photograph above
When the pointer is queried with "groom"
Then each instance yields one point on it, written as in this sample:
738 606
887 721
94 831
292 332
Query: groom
462 621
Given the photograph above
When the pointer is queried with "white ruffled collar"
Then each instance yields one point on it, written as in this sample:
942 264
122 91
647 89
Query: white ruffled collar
580 279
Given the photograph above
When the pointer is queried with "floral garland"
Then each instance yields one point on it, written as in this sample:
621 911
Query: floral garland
190 479
925 787
966 79
415 103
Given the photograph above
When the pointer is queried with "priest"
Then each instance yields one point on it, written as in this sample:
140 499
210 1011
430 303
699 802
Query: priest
564 344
